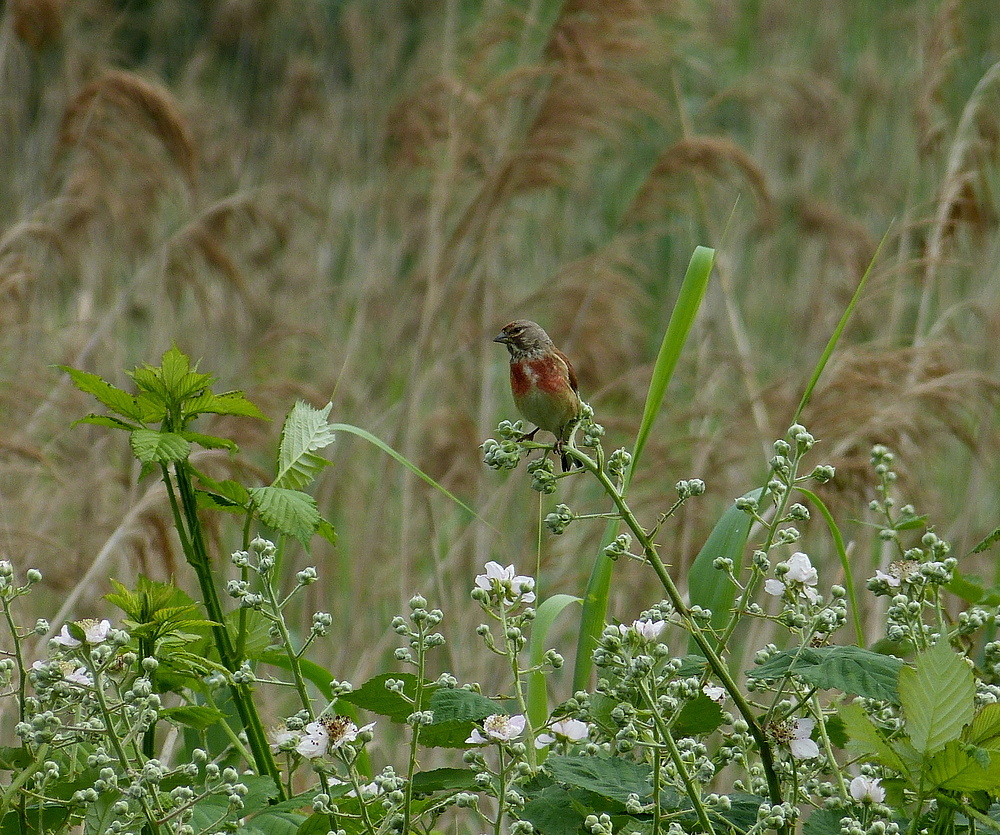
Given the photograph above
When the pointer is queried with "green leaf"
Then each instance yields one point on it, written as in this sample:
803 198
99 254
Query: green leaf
305 432
258 631
125 404
455 712
959 767
610 777
851 669
845 562
698 717
210 441
837 331
556 811
866 741
401 459
987 542
545 616
327 531
444 779
373 696
937 698
458 705
313 672
152 447
985 728
710 588
13 758
106 420
595 601
228 403
823 822
681 320
290 512
198 717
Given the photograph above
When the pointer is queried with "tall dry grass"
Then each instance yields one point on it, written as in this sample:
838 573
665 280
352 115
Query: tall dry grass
348 200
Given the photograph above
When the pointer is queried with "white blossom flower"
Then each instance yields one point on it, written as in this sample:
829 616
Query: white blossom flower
648 630
94 633
716 693
801 570
498 728
801 575
70 672
566 730
867 790
510 587
318 738
802 747
890 580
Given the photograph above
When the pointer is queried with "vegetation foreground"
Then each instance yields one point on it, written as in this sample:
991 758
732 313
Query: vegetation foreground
762 596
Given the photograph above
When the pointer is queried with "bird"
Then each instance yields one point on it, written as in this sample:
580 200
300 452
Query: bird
543 383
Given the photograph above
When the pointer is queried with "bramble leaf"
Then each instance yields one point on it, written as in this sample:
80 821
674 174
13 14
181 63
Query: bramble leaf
306 431
937 698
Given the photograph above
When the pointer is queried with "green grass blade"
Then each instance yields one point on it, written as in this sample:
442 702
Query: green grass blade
545 616
595 602
835 338
402 459
845 563
710 588
681 319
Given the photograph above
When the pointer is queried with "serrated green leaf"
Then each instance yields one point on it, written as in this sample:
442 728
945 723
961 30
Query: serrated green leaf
373 696
327 531
444 779
987 542
305 432
106 420
119 401
611 777
198 717
290 512
210 441
556 811
698 717
851 669
937 698
179 378
455 712
958 767
227 403
985 728
152 447
866 741
457 705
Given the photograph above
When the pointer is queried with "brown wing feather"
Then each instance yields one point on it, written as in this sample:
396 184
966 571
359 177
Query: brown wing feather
569 367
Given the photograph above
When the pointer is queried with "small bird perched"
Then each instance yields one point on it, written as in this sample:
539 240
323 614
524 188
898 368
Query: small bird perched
543 383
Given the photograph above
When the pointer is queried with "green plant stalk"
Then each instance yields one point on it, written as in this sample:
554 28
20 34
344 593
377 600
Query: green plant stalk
595 601
694 795
418 706
116 743
21 696
687 622
192 541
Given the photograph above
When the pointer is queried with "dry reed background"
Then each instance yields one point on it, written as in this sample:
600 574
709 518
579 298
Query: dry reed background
348 199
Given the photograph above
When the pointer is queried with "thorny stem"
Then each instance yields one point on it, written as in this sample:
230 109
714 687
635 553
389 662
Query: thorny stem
189 530
675 757
687 622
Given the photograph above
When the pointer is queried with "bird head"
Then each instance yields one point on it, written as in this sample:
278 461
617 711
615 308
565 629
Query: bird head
524 338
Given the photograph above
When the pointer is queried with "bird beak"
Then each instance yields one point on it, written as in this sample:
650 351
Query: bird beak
501 337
